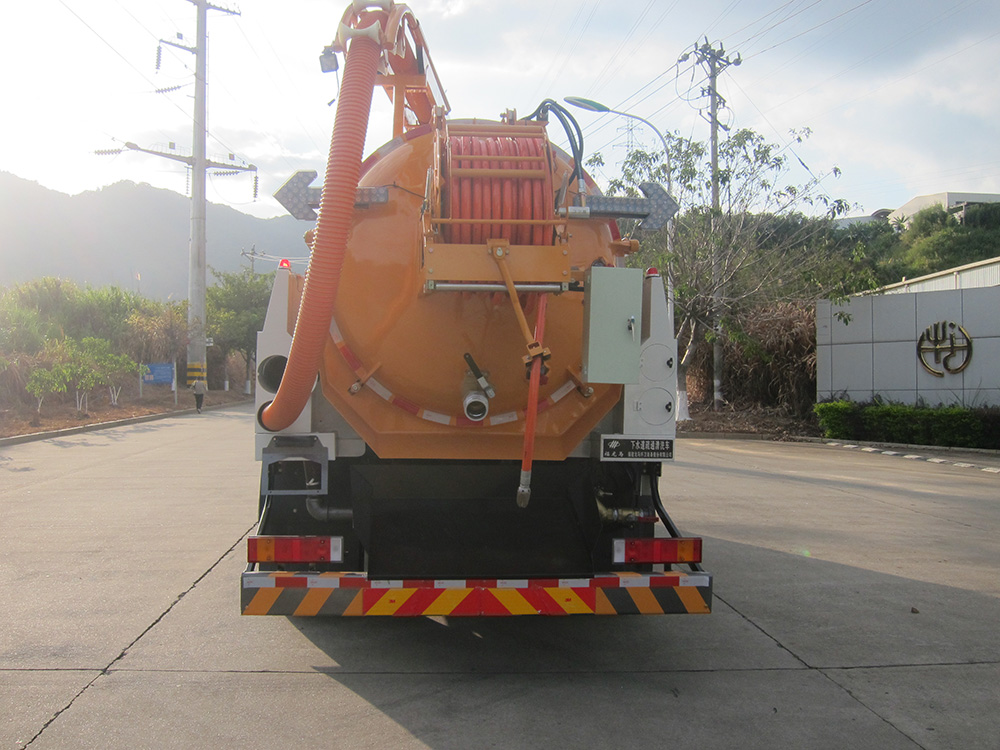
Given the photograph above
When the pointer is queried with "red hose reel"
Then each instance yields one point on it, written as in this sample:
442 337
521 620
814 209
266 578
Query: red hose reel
503 179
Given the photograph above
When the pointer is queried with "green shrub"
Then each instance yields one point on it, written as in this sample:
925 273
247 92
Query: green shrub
991 426
911 425
840 420
956 426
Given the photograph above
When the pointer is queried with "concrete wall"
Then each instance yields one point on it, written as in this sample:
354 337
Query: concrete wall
875 354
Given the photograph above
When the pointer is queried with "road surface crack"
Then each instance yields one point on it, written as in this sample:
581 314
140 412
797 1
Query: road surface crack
820 670
107 669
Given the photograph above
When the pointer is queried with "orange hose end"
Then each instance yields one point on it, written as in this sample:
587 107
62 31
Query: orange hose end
343 170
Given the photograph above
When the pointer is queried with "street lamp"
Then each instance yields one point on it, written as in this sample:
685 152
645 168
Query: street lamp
591 106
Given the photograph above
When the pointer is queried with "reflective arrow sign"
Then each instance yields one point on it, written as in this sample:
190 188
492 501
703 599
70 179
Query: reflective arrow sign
301 201
298 198
655 210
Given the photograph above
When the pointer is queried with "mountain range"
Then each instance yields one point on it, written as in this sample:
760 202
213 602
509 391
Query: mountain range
131 235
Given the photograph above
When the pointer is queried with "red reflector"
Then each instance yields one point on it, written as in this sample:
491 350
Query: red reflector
680 550
293 549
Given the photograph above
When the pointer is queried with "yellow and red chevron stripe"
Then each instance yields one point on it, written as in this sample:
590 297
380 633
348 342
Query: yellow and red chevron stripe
353 594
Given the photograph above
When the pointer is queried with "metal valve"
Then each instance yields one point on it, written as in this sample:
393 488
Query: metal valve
480 376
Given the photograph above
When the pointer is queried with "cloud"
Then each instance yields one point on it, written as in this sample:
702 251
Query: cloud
448 8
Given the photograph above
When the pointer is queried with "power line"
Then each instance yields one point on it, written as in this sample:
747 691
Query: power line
729 9
620 59
308 133
813 28
621 45
759 35
579 36
843 103
627 104
110 46
544 80
787 144
768 14
883 50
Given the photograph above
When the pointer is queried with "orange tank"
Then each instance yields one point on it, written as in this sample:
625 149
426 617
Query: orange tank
404 319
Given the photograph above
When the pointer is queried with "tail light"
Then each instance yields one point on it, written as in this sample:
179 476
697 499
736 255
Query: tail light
295 549
679 550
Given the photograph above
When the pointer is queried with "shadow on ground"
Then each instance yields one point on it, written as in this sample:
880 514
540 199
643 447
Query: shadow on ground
798 653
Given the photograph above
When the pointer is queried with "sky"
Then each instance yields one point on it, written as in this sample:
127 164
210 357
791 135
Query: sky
900 95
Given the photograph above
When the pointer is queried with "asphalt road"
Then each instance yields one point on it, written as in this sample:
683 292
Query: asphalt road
857 602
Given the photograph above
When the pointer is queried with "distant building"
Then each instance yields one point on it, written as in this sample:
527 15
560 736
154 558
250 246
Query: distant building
847 221
930 340
972 276
948 201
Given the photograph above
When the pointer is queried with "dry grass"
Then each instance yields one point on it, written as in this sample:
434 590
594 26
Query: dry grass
60 414
771 423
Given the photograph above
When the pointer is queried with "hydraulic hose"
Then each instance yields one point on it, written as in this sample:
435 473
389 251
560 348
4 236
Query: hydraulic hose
665 519
343 171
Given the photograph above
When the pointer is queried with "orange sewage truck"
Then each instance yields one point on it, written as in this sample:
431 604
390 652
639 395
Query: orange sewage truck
464 405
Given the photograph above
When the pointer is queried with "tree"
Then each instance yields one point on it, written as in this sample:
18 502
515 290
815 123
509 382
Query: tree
51 299
936 241
236 306
82 374
874 249
21 328
157 332
46 380
931 240
60 309
762 244
103 312
95 336
111 367
89 363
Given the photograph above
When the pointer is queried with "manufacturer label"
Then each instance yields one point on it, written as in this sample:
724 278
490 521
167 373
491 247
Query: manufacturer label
621 448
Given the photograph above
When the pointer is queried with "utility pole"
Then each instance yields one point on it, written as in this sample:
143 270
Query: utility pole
197 368
199 164
716 61
252 255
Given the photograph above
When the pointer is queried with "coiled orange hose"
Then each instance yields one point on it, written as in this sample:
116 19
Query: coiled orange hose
343 170
496 199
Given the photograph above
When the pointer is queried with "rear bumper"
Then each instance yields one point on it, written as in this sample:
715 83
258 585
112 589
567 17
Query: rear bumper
353 594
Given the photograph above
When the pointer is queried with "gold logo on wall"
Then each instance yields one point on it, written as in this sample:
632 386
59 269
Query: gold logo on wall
951 347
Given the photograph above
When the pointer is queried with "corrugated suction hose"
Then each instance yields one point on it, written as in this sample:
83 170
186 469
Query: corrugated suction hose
343 171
